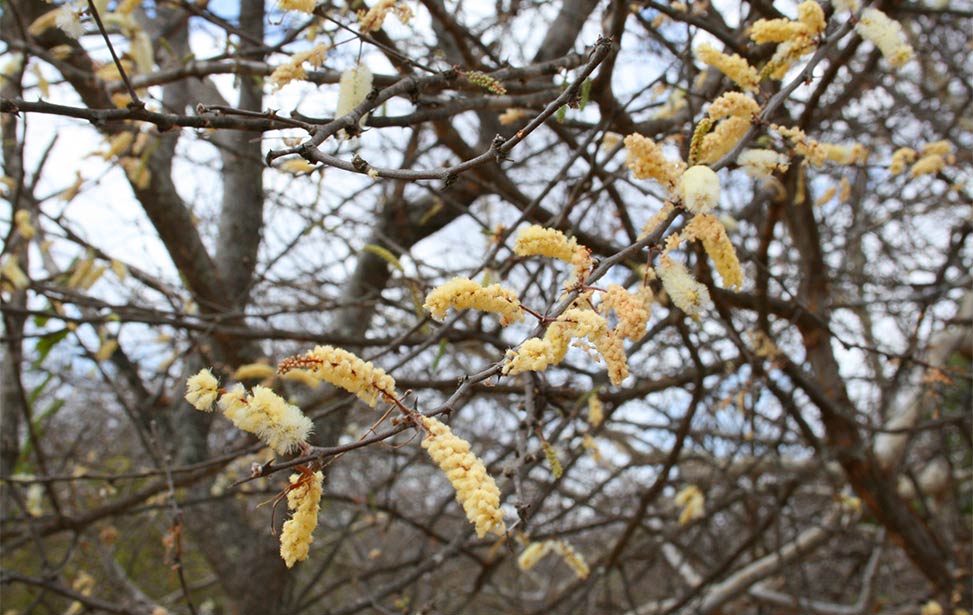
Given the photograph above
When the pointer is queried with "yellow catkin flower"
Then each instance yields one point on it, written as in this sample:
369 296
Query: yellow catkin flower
537 240
137 172
900 158
202 390
938 148
711 232
514 115
373 18
35 500
265 414
699 189
476 490
762 345
886 34
346 370
826 196
295 166
293 69
118 145
762 162
84 583
931 608
127 6
550 453
354 86
684 291
141 52
297 534
302 376
304 6
646 161
22 222
11 271
653 223
733 66
462 293
812 150
533 553
722 139
596 410
844 190
254 371
633 310
537 354
588 443
693 504
610 141
572 558
734 104
928 165
845 154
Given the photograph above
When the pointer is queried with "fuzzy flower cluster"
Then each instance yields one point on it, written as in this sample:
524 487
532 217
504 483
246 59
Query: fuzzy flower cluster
596 410
462 293
733 104
202 390
845 154
886 34
354 86
901 158
535 552
304 498
646 161
723 138
280 425
684 291
699 189
535 240
633 310
10 270
343 369
475 489
813 151
795 37
762 162
372 19
711 232
733 66
293 69
933 159
693 504
23 225
304 6
536 354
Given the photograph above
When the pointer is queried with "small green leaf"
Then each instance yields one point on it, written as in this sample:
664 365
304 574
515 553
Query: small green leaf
585 94
562 113
439 355
47 343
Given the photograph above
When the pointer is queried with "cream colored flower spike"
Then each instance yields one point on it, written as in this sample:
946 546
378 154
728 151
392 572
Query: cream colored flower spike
476 490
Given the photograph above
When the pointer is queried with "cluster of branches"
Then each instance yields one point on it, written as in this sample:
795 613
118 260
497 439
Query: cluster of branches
814 423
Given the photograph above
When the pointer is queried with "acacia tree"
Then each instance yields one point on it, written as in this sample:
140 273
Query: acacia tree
242 183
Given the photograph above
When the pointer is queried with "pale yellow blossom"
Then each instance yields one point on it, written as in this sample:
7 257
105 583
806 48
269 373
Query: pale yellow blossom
733 66
346 370
281 426
886 34
475 489
202 390
462 293
646 161
710 231
699 189
297 534
684 291
693 504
